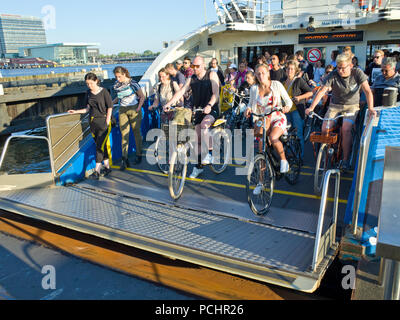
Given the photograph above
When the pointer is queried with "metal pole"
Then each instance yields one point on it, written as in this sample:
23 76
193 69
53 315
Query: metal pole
392 280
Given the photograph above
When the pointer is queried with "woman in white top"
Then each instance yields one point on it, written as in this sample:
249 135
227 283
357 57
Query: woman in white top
267 94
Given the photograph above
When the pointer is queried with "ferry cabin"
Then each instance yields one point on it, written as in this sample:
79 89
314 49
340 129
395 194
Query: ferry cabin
248 29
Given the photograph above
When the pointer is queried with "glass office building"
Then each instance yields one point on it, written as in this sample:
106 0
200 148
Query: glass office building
62 53
17 31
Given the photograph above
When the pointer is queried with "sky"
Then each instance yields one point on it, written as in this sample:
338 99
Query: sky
119 25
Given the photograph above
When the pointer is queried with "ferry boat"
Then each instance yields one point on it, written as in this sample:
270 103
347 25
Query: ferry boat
212 225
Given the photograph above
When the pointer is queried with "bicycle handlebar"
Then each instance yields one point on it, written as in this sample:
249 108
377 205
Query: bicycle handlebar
342 114
267 114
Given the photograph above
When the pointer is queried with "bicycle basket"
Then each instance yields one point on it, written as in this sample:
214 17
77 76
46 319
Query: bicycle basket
178 128
319 137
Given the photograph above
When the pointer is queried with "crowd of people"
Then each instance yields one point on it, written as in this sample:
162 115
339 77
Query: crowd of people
269 81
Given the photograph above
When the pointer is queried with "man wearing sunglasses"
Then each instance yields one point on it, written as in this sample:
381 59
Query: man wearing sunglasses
374 68
205 94
187 70
388 78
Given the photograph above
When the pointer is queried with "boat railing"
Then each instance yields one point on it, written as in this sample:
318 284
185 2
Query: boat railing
276 11
23 136
361 167
324 242
66 132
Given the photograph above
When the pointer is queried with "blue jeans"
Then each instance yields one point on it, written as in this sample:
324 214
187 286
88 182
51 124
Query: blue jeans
298 123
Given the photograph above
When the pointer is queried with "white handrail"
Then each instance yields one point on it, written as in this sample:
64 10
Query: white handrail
24 136
362 162
322 208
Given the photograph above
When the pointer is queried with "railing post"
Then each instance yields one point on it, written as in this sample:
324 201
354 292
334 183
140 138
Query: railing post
322 212
362 161
27 137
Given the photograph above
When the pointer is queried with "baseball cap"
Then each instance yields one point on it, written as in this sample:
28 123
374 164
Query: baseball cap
179 61
233 66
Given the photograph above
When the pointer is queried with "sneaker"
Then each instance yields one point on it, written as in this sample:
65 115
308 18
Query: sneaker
195 173
124 164
208 159
257 190
94 176
104 172
284 166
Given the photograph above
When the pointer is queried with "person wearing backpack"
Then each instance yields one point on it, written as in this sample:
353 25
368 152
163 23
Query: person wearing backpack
164 92
131 99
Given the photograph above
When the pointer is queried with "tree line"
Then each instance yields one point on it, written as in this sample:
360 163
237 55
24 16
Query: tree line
128 54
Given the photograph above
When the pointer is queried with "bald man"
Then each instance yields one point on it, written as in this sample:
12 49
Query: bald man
205 93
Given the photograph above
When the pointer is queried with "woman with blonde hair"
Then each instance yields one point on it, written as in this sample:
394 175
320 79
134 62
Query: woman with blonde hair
265 95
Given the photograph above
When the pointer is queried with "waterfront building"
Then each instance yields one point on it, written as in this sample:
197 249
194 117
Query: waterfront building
62 53
18 31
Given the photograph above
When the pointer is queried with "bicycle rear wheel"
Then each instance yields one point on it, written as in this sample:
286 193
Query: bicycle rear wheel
161 153
292 152
321 166
260 175
222 151
177 172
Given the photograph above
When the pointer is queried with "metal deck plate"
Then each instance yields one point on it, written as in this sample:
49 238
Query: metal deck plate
264 252
121 183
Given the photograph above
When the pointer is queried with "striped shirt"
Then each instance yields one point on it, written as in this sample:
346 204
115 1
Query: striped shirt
126 93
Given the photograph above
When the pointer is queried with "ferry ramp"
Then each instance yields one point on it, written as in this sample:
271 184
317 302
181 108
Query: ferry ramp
210 225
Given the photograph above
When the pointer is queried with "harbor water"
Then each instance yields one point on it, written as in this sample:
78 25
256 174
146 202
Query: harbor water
135 69
35 157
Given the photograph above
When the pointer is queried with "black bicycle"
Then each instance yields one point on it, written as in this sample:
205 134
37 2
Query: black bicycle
234 116
265 168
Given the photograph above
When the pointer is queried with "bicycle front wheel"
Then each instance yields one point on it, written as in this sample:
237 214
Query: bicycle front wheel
222 151
177 172
260 185
292 152
161 153
321 166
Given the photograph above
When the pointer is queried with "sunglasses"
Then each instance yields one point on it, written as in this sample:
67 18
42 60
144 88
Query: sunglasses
377 57
195 66
343 68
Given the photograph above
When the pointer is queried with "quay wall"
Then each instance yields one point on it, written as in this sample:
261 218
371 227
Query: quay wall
27 100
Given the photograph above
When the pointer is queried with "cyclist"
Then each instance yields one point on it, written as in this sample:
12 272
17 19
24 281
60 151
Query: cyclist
165 90
204 87
345 82
267 94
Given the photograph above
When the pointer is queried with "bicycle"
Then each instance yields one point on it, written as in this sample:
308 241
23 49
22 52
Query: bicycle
265 168
329 153
162 143
235 115
179 158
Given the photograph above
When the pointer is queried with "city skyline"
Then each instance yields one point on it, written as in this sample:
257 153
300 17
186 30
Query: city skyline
129 27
